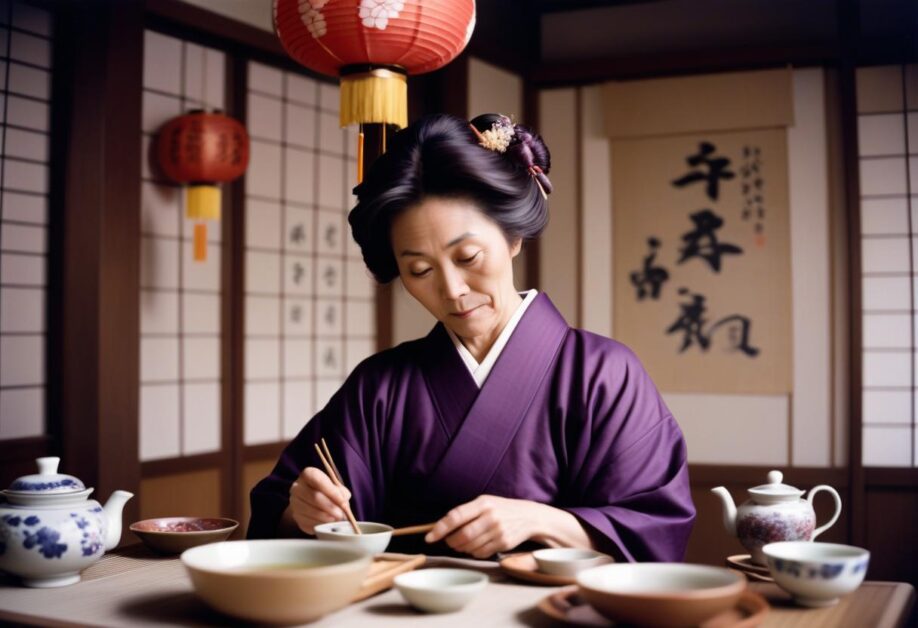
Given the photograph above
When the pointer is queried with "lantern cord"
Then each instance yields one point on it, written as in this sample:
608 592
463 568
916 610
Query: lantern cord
382 147
360 155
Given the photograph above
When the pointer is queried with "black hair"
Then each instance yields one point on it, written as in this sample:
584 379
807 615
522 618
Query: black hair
440 155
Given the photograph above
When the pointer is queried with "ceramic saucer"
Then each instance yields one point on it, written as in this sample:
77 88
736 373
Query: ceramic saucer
524 567
568 606
743 562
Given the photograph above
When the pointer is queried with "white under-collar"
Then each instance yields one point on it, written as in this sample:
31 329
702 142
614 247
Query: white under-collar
481 371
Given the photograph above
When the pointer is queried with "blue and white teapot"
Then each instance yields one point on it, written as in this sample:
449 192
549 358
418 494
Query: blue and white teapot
50 530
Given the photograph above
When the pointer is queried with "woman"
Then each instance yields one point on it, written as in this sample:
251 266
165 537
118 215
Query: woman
504 425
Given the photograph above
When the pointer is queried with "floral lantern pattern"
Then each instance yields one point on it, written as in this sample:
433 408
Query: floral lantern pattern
373 45
202 149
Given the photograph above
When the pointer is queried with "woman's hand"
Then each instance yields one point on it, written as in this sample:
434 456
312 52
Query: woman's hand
315 499
490 524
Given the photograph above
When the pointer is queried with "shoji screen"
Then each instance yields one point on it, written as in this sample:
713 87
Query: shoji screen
180 377
25 94
309 302
888 146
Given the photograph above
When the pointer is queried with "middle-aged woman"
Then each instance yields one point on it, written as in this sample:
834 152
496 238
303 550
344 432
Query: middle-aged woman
504 424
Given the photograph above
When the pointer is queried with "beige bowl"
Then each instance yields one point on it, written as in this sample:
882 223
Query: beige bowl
277 581
173 535
660 594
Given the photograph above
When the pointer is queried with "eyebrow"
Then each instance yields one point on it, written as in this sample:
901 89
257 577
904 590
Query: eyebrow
454 241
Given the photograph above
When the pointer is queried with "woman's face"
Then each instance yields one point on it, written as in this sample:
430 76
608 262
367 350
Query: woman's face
458 264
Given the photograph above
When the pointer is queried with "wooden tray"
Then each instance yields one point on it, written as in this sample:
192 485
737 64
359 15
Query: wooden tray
567 606
383 571
524 567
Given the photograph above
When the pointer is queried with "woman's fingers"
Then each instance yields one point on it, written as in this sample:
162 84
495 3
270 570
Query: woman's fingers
315 499
319 481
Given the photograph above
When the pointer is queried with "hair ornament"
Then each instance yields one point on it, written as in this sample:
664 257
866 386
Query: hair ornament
498 137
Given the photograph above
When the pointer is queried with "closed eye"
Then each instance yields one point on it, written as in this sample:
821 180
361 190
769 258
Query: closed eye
469 260
421 273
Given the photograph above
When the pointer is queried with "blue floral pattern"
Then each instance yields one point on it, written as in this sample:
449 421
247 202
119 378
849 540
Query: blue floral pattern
47 539
20 485
824 572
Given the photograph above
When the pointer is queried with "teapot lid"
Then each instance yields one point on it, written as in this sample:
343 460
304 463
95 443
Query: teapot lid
47 481
775 490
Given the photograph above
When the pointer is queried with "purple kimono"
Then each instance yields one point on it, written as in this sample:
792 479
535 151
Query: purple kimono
566 418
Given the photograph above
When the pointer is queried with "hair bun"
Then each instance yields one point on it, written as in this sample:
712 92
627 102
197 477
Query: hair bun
518 143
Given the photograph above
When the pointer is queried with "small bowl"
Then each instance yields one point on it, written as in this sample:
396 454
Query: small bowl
374 537
277 581
660 594
816 574
568 561
173 535
440 590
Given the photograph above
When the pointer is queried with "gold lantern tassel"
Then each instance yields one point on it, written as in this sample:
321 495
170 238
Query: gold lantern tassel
378 95
202 203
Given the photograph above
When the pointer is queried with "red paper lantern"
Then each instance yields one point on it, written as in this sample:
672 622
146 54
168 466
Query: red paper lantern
203 149
373 45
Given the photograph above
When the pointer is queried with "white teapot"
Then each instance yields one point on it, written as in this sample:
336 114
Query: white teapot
774 512
50 530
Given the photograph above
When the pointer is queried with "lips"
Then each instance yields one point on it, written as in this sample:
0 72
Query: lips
464 314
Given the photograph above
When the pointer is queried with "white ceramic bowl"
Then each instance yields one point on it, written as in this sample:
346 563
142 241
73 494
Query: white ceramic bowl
440 590
816 574
374 537
660 594
277 581
568 561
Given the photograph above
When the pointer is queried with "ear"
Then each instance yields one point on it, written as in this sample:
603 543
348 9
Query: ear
515 247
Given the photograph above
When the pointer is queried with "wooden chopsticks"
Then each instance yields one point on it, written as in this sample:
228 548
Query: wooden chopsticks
332 472
421 529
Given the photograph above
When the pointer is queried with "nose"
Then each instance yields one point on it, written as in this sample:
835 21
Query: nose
452 283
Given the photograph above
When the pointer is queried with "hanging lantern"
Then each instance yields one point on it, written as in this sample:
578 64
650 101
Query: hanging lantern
201 150
373 45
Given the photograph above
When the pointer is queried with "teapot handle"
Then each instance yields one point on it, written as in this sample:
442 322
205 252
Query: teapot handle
838 507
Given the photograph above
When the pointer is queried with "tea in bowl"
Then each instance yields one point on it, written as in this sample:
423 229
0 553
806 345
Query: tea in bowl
277 581
660 594
440 590
568 561
816 574
373 537
173 535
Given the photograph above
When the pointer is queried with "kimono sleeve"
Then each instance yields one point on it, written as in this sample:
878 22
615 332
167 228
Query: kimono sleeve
630 463
348 425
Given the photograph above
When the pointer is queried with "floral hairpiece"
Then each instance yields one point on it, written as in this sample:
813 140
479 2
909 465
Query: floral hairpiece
498 137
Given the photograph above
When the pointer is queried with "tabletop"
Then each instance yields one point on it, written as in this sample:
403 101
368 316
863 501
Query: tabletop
136 588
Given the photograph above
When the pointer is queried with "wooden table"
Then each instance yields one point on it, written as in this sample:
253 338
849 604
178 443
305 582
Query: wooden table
136 588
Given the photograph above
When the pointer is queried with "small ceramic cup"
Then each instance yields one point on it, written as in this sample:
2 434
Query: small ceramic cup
440 590
374 537
816 574
568 561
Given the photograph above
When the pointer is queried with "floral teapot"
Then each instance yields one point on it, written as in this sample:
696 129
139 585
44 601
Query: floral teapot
50 530
775 513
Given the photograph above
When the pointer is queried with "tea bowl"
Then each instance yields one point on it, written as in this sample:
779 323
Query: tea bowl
660 594
277 581
816 574
568 561
440 590
173 535
374 537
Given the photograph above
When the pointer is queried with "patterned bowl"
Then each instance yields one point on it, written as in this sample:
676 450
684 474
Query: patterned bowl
173 535
816 574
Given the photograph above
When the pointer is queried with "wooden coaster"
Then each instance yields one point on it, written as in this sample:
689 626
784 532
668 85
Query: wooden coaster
568 606
524 567
383 571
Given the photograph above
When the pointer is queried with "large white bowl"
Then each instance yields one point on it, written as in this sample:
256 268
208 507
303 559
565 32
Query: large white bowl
816 574
277 581
373 537
660 594
568 561
440 590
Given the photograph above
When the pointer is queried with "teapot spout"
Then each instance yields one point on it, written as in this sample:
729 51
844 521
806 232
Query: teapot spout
729 509
112 512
